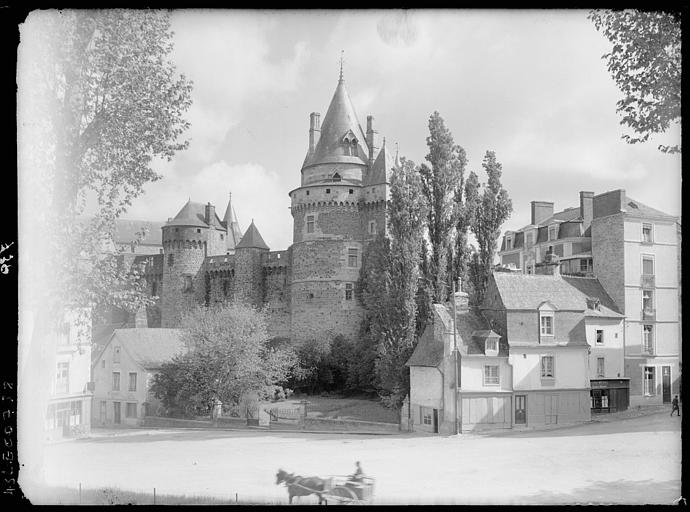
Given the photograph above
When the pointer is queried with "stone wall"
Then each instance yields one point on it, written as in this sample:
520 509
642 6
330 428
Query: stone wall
608 256
249 276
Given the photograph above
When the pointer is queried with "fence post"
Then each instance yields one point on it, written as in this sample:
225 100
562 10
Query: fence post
80 493
154 495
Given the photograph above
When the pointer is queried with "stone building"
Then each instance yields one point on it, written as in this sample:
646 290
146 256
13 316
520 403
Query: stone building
308 289
634 252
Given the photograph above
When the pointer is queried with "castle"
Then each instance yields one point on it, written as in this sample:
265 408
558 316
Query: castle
308 289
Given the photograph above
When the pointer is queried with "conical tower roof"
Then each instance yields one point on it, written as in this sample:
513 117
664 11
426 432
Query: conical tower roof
340 121
192 214
232 225
252 239
382 167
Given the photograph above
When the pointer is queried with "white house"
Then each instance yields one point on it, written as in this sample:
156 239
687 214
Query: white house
122 372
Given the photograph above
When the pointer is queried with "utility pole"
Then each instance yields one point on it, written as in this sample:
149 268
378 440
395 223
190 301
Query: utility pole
455 364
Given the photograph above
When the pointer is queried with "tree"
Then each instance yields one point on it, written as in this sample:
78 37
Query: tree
440 185
99 101
491 209
229 358
390 279
645 63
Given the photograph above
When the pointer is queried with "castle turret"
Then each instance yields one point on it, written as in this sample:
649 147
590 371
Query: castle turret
194 233
232 227
330 212
250 256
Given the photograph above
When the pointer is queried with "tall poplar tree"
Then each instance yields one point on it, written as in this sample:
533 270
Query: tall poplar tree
440 184
390 285
492 207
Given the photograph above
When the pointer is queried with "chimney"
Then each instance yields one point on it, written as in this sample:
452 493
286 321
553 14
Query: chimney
551 266
608 203
210 214
462 299
541 210
314 130
372 139
586 209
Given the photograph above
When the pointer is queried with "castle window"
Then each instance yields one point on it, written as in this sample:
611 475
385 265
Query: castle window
352 191
372 227
171 260
310 223
187 284
348 291
352 257
198 230
222 237
328 191
307 192
336 177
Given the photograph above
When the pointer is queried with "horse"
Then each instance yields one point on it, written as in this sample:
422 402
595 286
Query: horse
301 485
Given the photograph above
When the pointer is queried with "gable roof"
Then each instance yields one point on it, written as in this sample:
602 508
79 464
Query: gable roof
527 291
149 347
634 207
252 238
429 349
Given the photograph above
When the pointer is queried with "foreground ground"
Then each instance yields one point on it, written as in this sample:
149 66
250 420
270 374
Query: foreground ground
634 461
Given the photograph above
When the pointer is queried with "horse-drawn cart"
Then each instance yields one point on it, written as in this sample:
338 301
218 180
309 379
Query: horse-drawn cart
343 490
338 489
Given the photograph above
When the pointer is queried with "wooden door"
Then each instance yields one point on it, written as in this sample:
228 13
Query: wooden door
666 384
551 409
521 409
116 412
435 420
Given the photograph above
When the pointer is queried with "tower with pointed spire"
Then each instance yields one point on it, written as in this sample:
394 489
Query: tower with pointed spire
339 207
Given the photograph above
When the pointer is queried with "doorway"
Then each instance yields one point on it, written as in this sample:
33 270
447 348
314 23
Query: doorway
666 384
551 409
116 411
521 409
435 421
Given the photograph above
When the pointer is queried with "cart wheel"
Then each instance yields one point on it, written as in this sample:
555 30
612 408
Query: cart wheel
345 494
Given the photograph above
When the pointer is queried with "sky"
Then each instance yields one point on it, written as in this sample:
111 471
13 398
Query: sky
529 85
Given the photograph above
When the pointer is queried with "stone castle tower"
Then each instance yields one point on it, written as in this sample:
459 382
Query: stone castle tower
308 290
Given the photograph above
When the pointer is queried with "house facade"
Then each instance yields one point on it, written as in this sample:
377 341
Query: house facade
542 318
636 252
123 371
483 397
69 404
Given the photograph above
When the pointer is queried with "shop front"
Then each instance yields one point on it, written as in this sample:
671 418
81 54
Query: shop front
610 395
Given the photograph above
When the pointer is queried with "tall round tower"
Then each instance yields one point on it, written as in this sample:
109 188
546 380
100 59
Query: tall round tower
193 234
330 231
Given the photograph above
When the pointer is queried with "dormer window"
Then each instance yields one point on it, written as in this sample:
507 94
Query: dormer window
529 239
491 346
546 321
509 242
553 232
336 177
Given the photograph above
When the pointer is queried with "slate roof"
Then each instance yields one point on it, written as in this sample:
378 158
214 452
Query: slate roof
429 350
527 291
637 208
252 238
381 169
338 121
232 225
193 214
150 347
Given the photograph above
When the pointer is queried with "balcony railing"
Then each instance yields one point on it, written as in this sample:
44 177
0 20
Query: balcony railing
648 349
647 281
649 314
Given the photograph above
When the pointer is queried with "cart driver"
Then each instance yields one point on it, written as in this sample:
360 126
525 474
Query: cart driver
359 474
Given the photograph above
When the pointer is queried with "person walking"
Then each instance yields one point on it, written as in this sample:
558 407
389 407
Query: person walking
674 406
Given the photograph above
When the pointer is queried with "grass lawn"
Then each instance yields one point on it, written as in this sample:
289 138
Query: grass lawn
362 409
